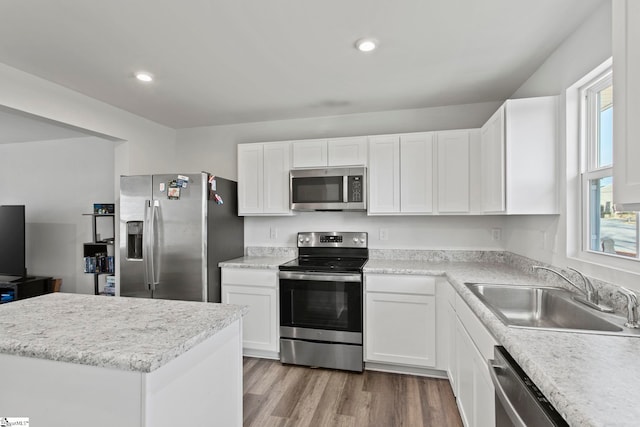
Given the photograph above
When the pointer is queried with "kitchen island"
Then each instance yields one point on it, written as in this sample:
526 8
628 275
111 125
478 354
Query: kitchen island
79 360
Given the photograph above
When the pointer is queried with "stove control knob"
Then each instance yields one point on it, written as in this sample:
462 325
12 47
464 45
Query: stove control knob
362 241
355 240
300 239
307 240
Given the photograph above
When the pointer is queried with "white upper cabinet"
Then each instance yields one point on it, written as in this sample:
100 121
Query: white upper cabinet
320 153
350 151
250 177
626 92
384 174
416 172
263 178
492 160
518 151
406 169
309 153
277 163
454 171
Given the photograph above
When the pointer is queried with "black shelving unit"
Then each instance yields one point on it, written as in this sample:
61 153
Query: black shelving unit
99 254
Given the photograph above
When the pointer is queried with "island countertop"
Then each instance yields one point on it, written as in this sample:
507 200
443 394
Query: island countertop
132 334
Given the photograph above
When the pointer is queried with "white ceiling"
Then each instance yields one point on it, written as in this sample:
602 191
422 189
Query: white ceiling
233 61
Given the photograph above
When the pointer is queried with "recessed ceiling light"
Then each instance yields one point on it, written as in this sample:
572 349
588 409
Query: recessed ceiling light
143 76
366 45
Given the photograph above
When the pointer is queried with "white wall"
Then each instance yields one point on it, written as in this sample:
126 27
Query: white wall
149 147
545 238
214 149
58 181
405 232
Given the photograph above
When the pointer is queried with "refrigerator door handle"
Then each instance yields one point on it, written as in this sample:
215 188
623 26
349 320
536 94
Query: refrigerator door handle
152 263
146 251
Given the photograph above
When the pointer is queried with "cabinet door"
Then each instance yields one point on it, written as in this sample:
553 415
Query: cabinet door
260 324
416 173
400 328
484 414
347 151
492 146
464 367
475 392
451 353
453 171
250 176
310 153
445 298
384 174
626 93
530 155
277 163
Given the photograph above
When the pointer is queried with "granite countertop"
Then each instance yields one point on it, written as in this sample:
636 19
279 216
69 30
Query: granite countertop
132 334
592 380
259 262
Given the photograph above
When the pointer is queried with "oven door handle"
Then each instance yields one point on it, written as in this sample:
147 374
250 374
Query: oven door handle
321 277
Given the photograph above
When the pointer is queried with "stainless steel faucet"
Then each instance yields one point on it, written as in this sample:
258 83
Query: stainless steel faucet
632 307
592 293
592 298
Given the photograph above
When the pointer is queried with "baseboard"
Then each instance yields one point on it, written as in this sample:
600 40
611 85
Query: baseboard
261 354
368 366
407 370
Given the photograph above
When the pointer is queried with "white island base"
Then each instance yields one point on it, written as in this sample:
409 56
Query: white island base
201 387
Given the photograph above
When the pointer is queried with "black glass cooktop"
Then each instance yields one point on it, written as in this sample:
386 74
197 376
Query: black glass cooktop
325 264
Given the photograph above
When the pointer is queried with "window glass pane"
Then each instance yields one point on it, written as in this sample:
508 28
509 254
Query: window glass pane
611 231
605 127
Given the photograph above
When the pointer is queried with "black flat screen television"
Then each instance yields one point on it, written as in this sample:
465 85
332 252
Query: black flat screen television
12 241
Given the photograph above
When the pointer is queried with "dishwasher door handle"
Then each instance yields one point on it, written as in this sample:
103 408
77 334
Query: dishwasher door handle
502 396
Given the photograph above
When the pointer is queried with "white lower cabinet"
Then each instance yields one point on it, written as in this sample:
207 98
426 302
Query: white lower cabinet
473 387
400 325
257 289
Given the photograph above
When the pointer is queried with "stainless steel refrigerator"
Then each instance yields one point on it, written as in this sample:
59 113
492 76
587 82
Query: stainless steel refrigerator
174 229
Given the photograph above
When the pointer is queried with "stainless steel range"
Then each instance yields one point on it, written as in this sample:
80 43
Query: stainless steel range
321 296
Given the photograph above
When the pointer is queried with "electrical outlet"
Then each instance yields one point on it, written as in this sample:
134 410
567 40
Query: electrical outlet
383 234
273 233
496 234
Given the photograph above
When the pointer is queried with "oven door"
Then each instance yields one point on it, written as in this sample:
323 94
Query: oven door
321 306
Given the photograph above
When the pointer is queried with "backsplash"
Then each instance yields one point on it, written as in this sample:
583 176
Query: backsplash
608 292
269 251
437 256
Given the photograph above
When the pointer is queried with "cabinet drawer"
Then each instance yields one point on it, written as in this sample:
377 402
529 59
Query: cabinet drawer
481 337
400 283
250 277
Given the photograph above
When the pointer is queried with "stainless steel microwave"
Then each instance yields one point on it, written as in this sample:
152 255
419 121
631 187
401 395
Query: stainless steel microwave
329 189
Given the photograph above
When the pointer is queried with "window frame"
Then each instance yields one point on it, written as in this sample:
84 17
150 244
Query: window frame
589 158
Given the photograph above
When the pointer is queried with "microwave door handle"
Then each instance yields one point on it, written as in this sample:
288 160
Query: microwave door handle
345 188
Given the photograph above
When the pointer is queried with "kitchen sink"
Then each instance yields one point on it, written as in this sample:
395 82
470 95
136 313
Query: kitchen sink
540 307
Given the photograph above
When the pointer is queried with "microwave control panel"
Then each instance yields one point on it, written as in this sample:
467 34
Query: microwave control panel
354 187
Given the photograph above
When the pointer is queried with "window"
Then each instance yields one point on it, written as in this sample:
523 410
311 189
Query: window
606 229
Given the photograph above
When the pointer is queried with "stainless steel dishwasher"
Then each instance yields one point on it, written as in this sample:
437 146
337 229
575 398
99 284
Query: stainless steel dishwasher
519 402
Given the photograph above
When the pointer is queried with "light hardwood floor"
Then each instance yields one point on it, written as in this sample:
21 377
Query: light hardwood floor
285 395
